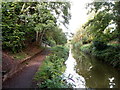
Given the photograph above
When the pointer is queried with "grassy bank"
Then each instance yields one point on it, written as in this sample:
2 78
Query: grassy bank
110 54
49 74
27 52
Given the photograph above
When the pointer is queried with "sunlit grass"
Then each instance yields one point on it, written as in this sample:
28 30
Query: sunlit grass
20 56
114 44
85 47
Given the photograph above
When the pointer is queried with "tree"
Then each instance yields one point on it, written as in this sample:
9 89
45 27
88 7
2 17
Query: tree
13 35
24 22
117 18
107 13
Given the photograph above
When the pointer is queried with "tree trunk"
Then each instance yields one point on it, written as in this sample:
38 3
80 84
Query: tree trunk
36 35
42 36
39 37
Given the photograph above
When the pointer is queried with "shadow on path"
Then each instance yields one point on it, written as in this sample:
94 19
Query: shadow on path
23 79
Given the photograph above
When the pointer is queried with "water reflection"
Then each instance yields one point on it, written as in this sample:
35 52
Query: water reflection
96 74
71 76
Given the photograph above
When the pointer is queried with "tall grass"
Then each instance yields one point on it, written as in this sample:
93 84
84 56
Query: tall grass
49 74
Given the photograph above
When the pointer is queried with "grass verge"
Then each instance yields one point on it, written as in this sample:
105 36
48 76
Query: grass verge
49 74
27 52
110 55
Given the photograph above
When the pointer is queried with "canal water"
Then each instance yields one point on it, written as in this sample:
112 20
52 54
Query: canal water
83 71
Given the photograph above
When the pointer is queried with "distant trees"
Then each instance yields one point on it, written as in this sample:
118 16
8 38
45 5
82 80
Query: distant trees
100 36
104 26
24 22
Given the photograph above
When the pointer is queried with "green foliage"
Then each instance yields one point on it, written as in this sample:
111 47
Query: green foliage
114 44
60 37
82 36
110 54
49 74
97 26
76 45
61 8
86 48
20 56
54 83
24 22
100 30
13 36
56 37
60 51
107 13
99 45
51 42
103 27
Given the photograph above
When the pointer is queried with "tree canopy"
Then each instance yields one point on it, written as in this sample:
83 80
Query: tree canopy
105 24
24 22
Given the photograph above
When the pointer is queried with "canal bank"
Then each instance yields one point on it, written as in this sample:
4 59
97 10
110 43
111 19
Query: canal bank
84 71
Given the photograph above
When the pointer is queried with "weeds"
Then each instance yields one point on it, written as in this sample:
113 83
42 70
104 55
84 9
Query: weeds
110 55
49 74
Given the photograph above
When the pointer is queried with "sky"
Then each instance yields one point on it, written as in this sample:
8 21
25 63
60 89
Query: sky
79 15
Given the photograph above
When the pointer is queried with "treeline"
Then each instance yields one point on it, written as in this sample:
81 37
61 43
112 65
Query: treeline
100 36
28 22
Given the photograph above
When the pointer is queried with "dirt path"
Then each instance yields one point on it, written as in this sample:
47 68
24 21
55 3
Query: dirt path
23 79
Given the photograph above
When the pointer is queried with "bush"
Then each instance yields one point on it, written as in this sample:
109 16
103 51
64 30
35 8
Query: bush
60 51
52 43
77 45
86 40
86 48
49 74
99 45
110 55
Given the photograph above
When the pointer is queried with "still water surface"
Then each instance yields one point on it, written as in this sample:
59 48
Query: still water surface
84 71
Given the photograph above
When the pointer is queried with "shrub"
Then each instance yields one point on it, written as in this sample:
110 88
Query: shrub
110 55
99 45
49 74
60 51
51 42
86 48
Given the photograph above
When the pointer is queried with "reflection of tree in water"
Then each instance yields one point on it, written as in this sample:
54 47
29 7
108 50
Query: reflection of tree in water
83 65
96 73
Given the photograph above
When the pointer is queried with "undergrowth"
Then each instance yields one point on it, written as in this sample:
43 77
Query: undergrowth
111 54
49 74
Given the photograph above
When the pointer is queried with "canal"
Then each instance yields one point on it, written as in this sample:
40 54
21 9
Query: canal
84 71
